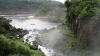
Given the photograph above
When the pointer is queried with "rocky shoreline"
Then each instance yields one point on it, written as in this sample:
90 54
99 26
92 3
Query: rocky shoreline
11 38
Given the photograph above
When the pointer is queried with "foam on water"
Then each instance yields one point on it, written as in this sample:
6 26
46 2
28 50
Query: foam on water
30 24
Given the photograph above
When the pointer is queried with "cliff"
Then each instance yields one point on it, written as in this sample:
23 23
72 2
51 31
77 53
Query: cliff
82 17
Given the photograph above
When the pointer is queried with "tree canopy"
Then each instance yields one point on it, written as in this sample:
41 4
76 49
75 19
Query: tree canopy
82 18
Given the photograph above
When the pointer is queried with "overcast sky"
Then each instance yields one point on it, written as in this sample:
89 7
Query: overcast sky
61 1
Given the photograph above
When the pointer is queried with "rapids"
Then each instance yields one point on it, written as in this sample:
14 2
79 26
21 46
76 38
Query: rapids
23 21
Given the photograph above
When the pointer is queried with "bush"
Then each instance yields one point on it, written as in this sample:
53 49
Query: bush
3 44
2 30
16 48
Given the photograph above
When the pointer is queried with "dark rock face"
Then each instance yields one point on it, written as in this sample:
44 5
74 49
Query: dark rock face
4 23
85 25
22 32
35 43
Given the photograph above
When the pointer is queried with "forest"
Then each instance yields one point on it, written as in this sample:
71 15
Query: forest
53 10
10 44
22 5
80 28
19 5
82 19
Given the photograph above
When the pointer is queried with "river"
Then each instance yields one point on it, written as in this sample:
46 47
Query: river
23 21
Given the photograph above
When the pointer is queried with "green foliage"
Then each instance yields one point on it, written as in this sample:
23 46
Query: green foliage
84 53
16 55
11 6
3 44
2 30
19 5
82 17
10 45
53 11
3 20
81 10
71 42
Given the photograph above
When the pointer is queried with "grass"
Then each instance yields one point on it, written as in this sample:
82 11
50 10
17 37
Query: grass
11 47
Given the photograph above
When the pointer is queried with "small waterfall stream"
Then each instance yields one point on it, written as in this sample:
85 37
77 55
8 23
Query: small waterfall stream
32 38
22 21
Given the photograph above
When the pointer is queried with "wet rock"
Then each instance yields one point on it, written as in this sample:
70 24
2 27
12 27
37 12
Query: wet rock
21 35
33 47
21 32
35 43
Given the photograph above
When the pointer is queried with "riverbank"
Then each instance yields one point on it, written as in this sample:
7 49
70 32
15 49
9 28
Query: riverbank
11 45
15 12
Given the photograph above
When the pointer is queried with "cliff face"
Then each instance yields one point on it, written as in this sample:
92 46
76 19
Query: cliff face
82 17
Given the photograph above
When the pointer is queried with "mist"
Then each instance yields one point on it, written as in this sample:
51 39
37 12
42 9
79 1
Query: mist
37 16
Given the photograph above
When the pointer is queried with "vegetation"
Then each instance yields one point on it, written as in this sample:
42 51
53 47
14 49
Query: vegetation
80 34
53 11
20 6
10 45
82 18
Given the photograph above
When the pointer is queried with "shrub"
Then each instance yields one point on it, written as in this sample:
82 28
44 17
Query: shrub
16 48
2 30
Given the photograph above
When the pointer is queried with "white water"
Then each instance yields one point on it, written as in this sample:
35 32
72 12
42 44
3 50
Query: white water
22 21
31 24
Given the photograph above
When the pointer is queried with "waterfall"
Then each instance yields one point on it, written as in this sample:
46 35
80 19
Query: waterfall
22 21
31 37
